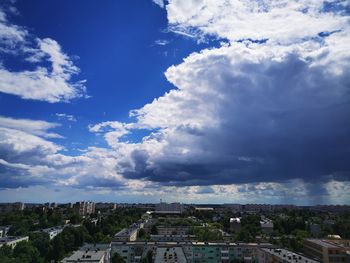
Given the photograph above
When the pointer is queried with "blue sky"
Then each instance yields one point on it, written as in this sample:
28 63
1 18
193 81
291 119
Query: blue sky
110 43
211 101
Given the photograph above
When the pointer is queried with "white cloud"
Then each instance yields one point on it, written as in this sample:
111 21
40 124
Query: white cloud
160 3
35 127
252 120
279 21
64 116
51 84
161 42
234 106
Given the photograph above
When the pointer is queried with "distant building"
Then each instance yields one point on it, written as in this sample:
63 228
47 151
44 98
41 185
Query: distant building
126 235
12 241
165 208
111 206
257 207
276 255
266 226
328 251
235 224
234 207
204 208
84 208
173 230
92 253
11 207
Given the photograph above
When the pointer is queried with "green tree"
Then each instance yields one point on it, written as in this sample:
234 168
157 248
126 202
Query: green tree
141 234
116 258
57 250
154 230
27 253
42 242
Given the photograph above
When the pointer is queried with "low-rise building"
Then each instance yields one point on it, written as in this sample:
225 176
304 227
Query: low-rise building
235 224
12 241
92 253
328 251
279 255
266 226
195 252
52 231
172 238
173 230
126 234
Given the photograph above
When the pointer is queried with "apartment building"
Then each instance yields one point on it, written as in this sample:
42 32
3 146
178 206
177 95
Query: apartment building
173 230
277 255
92 253
84 208
266 226
169 255
195 252
172 208
126 234
11 207
235 224
12 241
328 251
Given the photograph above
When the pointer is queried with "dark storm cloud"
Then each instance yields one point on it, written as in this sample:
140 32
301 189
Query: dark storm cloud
278 120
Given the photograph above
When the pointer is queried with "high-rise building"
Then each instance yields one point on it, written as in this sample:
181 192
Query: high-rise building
84 208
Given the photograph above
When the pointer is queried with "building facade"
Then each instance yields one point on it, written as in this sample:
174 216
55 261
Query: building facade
12 241
328 251
84 208
195 252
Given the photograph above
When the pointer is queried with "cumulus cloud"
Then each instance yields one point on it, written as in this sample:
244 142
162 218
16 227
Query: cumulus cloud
278 21
265 115
28 158
46 83
250 111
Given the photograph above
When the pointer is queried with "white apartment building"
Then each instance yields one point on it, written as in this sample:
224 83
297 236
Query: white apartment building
12 241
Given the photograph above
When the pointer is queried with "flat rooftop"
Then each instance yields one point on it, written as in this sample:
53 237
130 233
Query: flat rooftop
85 256
323 243
169 243
288 256
170 255
126 232
10 238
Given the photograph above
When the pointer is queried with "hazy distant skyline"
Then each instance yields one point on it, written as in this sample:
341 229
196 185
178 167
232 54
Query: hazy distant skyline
209 101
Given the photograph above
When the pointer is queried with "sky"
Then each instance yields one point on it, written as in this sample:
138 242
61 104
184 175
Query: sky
195 101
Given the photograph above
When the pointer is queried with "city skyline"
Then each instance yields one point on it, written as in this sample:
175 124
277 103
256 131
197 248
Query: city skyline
190 101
